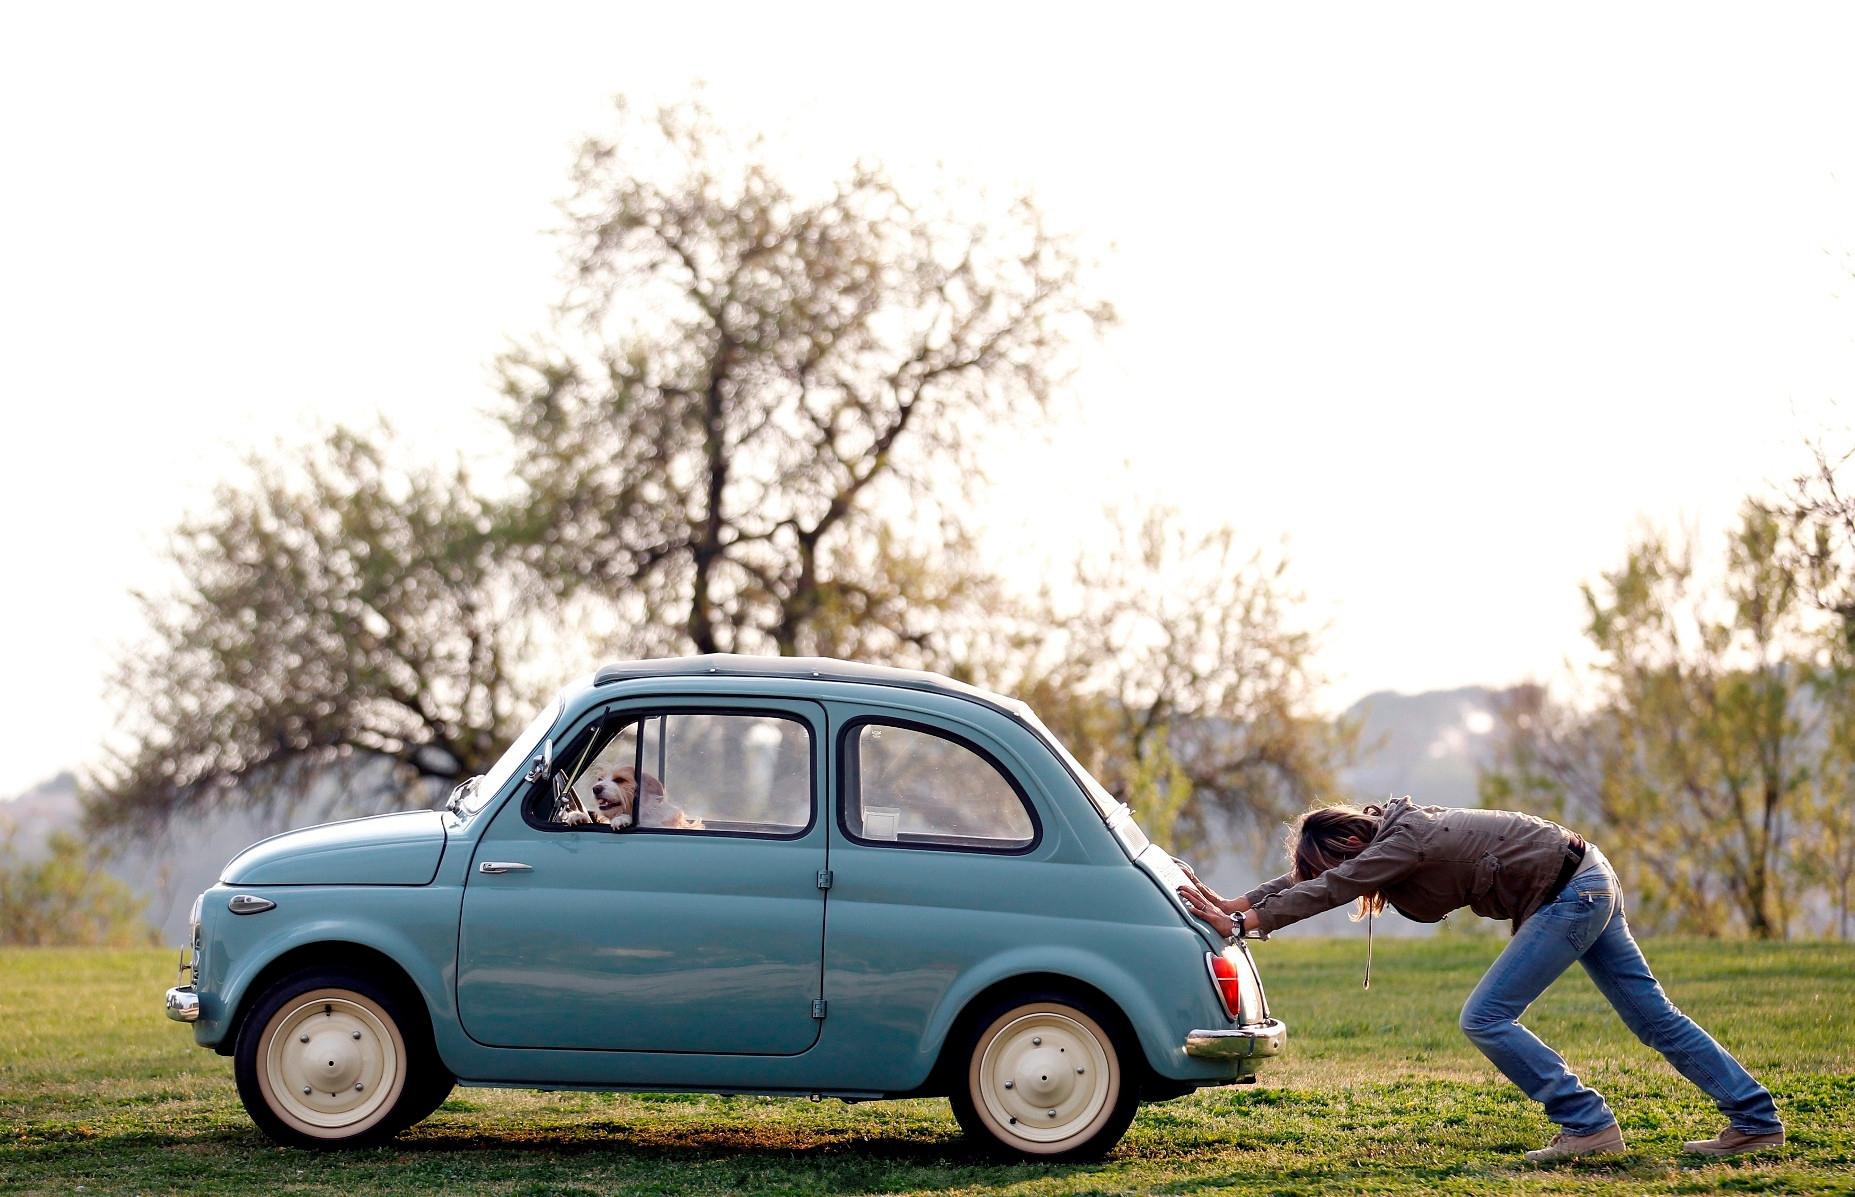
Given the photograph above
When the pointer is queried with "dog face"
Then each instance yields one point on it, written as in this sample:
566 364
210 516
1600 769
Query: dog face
615 793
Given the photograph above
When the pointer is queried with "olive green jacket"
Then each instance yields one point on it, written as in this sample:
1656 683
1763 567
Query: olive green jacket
1428 861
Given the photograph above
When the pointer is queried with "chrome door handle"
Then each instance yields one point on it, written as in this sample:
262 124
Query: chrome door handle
504 866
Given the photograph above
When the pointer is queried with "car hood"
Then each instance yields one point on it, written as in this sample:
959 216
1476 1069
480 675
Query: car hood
401 849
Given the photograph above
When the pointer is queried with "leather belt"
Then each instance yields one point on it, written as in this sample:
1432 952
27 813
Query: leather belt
1574 856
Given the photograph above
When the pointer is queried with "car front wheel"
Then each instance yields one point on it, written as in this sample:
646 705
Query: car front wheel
1045 1078
329 1059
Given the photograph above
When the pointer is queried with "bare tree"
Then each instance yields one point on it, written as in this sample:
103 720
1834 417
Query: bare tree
761 403
1174 668
753 426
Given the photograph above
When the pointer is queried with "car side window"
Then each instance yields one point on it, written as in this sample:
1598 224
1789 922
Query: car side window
728 772
910 786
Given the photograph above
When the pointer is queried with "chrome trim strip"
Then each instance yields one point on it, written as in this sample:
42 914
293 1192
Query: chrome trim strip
183 1005
1253 1042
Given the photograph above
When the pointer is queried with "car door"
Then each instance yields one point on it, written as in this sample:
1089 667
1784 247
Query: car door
699 928
939 860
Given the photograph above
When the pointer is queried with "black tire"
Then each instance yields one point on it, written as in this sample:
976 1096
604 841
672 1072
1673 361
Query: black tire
415 1108
380 1072
1005 1067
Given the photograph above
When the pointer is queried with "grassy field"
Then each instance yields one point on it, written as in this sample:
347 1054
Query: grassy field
1379 1093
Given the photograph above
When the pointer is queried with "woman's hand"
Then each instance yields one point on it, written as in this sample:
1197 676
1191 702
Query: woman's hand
1202 905
1216 899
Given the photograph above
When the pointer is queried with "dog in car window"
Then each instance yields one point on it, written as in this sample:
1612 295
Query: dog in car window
615 797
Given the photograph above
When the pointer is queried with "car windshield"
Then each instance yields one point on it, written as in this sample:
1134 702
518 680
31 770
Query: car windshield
470 797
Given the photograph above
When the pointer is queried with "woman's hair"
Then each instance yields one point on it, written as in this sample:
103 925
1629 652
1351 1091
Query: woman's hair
1324 838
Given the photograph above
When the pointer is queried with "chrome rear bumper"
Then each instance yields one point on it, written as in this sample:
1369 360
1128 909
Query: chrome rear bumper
1253 1042
183 1005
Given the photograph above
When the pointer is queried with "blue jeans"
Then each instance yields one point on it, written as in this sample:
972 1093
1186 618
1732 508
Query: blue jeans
1585 923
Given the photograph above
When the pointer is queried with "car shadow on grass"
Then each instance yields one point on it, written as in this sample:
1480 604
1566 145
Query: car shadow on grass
718 1143
565 1159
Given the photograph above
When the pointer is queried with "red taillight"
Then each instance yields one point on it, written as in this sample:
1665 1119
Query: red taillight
1224 980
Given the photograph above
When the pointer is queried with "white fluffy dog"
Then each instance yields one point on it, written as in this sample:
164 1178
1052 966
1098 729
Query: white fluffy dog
615 793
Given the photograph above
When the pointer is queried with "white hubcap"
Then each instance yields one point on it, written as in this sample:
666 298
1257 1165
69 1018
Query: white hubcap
332 1062
1044 1077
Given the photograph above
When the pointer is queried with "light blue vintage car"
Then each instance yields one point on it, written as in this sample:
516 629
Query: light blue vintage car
835 880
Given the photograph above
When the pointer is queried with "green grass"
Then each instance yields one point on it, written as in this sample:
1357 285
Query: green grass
1378 1093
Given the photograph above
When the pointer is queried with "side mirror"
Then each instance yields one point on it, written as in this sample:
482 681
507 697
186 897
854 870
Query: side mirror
542 763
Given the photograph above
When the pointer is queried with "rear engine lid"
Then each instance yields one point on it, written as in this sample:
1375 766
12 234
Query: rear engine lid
1166 873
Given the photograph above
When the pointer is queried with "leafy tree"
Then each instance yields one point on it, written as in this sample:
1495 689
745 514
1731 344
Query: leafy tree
1825 561
1826 840
1695 756
336 608
63 898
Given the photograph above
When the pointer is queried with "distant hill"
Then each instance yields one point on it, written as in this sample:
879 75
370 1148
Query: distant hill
1427 745
1430 746
31 817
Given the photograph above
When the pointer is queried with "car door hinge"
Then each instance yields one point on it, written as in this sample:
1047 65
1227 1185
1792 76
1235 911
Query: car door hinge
824 878
818 1007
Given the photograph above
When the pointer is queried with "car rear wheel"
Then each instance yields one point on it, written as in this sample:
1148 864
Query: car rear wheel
330 1059
1046 1078
422 1101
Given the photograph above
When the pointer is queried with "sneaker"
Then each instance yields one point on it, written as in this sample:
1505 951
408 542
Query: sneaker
1732 1141
1565 1147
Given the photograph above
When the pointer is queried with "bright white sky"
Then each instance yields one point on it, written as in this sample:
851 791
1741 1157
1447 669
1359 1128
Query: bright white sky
1449 297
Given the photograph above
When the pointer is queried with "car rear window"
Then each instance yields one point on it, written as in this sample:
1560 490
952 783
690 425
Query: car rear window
913 787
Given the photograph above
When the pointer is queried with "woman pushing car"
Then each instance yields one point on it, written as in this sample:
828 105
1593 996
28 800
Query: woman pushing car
1566 905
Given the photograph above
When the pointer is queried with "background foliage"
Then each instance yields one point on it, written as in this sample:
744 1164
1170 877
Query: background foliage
756 422
61 897
1713 751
